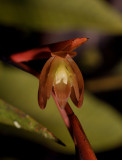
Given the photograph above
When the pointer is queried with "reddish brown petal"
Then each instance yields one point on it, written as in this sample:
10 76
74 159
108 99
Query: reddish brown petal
62 92
68 45
42 93
42 99
32 54
79 102
79 79
73 97
81 97
77 42
45 51
49 83
75 85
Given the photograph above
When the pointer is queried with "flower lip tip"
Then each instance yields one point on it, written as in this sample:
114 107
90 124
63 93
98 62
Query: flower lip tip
42 107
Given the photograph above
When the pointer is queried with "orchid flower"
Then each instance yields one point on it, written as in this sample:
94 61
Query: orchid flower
60 73
62 76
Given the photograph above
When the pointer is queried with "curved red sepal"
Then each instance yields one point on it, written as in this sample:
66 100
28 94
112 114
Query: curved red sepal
60 48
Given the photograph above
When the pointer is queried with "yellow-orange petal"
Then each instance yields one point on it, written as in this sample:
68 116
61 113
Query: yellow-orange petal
42 93
79 79
51 74
50 79
74 79
60 76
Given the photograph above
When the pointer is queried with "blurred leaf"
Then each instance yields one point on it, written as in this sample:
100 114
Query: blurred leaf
102 123
91 59
104 83
12 116
61 15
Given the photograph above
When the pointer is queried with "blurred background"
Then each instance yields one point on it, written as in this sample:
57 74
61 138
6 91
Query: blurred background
27 24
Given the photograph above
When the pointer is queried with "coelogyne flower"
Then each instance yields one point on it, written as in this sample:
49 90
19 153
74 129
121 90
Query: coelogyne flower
62 76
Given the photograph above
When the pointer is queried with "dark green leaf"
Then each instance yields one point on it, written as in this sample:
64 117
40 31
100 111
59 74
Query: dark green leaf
61 15
12 116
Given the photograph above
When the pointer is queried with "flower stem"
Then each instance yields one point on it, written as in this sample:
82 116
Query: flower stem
82 143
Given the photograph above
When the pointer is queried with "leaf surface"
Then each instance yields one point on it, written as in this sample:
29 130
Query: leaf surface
61 15
13 116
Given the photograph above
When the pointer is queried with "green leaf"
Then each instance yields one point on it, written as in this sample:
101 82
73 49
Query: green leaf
61 15
101 122
14 117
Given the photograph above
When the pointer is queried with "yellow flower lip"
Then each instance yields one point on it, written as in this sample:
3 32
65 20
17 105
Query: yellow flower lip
62 74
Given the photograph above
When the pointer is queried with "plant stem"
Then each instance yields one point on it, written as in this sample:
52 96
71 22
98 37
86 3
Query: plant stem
62 112
82 143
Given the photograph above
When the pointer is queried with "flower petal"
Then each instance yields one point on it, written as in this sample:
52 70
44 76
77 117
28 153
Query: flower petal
75 86
74 79
42 93
36 53
45 50
68 45
73 97
42 99
49 82
79 79
51 75
62 92
62 81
